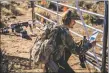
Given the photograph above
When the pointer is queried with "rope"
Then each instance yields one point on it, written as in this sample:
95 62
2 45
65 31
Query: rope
85 28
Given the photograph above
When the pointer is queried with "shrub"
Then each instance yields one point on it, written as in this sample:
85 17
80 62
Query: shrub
6 12
2 25
17 11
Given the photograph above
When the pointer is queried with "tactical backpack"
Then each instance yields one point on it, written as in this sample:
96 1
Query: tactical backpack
47 47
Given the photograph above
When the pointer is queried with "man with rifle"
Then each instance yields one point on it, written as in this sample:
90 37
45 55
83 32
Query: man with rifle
56 45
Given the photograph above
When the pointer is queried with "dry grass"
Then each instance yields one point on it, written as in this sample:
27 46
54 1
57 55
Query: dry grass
6 12
18 11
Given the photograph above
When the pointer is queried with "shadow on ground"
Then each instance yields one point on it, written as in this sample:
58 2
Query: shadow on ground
18 64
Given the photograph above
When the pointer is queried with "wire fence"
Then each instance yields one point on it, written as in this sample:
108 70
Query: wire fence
93 28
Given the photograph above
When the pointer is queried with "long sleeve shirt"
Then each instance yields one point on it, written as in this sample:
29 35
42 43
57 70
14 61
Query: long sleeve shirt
72 46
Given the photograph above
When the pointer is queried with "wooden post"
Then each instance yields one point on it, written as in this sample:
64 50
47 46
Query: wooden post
30 59
108 44
33 13
33 16
105 37
0 14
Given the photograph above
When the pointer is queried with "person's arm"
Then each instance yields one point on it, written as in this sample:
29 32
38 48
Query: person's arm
72 45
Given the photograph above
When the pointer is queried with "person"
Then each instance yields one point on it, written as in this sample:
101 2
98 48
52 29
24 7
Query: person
56 46
24 24
16 27
5 30
24 33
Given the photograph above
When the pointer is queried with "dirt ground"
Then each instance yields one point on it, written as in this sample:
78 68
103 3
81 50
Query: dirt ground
18 48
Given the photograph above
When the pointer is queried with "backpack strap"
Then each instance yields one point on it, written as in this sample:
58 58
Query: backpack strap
58 31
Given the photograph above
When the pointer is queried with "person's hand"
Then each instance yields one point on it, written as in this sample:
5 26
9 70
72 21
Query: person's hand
93 43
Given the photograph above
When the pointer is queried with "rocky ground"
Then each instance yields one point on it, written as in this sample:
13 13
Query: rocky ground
17 49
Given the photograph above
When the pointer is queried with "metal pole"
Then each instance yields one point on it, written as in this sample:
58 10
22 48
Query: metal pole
103 69
76 21
85 11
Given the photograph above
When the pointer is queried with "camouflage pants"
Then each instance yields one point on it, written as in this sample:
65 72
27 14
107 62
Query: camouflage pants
63 65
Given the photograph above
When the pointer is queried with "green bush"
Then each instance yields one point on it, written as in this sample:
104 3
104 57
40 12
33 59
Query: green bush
6 12
2 25
17 10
